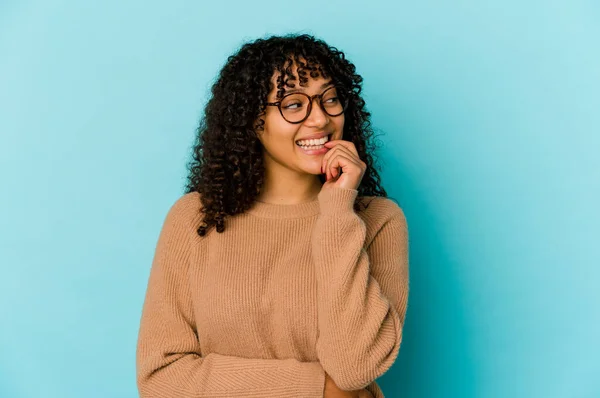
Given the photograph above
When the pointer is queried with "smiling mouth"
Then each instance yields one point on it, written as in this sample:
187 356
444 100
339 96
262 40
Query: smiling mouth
318 145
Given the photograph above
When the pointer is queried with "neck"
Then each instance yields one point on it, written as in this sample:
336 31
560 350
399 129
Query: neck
289 188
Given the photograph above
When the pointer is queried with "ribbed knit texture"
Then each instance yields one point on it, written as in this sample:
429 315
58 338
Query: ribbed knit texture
285 294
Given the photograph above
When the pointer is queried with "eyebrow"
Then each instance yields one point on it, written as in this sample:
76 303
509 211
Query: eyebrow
299 90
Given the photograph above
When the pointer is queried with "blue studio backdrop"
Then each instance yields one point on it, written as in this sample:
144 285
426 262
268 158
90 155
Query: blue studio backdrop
488 116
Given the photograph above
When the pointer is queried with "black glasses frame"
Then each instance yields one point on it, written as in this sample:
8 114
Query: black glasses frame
310 102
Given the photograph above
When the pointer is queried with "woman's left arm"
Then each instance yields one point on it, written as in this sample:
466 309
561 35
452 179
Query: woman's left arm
362 291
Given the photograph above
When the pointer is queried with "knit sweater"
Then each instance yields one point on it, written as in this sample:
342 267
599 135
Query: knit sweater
284 295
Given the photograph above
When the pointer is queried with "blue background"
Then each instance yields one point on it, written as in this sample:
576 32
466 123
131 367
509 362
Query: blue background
489 120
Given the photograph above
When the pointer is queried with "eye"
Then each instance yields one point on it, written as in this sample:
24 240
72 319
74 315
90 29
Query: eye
294 105
331 101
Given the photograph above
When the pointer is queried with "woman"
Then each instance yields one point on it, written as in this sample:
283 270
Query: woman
304 294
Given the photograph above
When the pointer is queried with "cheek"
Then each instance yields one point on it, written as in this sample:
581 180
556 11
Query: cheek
339 123
273 122
278 130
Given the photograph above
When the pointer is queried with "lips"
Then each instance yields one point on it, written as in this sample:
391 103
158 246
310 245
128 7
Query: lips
315 137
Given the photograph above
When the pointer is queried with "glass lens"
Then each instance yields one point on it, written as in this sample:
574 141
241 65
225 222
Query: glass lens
294 107
333 101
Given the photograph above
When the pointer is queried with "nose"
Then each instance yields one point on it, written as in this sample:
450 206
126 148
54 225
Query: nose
317 117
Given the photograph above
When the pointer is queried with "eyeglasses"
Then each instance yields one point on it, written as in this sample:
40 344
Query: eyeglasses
295 107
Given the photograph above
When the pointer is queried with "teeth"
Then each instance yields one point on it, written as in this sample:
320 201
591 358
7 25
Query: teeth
313 142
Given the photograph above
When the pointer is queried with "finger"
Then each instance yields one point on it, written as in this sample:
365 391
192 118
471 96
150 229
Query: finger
341 147
353 160
336 150
327 166
326 159
343 143
343 162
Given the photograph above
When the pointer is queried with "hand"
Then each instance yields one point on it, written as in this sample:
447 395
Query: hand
333 391
342 155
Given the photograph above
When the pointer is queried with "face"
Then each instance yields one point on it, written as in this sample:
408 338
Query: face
279 137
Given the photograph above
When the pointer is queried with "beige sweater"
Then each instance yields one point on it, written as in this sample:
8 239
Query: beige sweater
284 295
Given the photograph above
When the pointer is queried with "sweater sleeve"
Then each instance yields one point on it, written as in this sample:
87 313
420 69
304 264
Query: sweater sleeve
362 291
169 361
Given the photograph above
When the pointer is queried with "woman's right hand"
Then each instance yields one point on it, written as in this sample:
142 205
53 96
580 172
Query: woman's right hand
333 391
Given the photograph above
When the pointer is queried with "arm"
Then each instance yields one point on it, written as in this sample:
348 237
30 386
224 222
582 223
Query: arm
362 292
169 360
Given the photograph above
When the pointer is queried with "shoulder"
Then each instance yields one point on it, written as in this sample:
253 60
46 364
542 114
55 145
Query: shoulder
187 202
186 209
379 211
381 208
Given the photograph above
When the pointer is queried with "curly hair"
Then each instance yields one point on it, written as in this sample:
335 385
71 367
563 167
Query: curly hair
227 162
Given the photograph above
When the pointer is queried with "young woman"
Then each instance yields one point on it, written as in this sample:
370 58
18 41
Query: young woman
283 269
